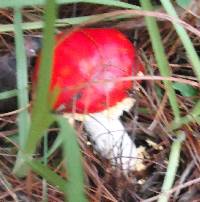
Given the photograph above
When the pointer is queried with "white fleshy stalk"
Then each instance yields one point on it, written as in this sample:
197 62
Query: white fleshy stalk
111 140
110 137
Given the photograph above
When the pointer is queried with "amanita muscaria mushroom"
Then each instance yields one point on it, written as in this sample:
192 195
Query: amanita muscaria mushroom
87 66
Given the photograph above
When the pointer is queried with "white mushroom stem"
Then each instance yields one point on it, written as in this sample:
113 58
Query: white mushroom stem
111 140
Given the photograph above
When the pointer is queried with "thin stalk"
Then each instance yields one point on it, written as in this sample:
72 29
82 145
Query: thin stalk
22 79
161 57
172 167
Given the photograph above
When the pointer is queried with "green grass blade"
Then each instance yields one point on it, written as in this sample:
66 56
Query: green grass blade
57 143
187 43
8 94
72 154
161 57
64 22
22 3
172 166
22 79
193 57
47 174
185 89
41 117
193 116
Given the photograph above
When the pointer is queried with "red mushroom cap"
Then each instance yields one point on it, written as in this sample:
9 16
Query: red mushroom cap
85 58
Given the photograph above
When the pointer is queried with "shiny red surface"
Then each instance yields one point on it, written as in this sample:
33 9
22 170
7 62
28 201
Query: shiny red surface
83 60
